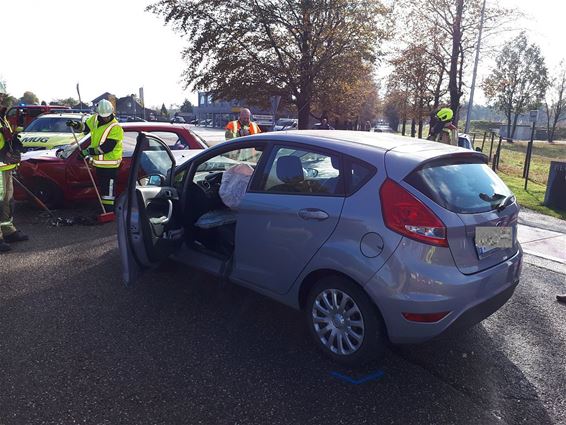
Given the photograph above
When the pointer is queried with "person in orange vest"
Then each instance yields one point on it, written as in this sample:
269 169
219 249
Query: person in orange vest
242 126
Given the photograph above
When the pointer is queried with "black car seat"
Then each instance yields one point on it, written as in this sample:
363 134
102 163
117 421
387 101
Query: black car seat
289 170
332 185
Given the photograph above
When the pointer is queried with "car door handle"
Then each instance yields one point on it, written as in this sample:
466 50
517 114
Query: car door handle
313 214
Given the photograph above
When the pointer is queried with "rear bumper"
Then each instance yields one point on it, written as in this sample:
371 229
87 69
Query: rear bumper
406 283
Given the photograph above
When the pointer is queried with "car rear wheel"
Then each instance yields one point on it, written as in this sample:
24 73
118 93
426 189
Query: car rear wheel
49 193
344 322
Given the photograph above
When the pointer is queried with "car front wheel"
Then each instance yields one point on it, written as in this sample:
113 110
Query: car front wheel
344 323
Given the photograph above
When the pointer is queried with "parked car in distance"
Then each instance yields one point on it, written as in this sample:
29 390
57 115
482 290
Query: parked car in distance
286 124
375 237
50 131
178 120
465 141
59 177
129 118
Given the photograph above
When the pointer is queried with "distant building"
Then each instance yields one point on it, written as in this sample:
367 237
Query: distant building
220 112
127 106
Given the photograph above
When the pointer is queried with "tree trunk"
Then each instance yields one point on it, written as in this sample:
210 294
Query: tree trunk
404 127
514 125
548 129
437 89
453 74
420 128
413 127
509 135
304 108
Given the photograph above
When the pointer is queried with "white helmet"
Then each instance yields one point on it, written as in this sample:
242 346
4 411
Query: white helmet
104 108
2 88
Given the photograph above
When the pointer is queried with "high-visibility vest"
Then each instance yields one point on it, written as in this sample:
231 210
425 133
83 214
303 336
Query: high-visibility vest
5 167
98 136
235 126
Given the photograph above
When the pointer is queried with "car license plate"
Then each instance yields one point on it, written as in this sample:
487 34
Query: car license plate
491 238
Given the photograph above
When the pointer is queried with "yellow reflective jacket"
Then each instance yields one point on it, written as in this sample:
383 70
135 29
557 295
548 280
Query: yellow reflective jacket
99 135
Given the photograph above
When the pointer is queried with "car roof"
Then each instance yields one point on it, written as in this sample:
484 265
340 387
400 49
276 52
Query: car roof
338 138
149 125
406 152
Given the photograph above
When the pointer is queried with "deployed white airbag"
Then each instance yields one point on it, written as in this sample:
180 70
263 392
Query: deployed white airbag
234 184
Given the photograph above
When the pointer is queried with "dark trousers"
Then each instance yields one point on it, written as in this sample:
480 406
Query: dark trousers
106 181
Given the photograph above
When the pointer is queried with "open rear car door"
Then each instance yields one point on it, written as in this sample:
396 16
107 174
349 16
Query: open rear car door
149 230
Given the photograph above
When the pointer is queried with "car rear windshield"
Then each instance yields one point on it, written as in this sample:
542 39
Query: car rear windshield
464 185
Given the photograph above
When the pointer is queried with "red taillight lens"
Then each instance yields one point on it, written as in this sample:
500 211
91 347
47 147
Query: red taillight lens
405 214
425 317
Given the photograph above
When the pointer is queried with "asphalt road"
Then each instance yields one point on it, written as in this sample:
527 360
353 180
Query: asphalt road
77 347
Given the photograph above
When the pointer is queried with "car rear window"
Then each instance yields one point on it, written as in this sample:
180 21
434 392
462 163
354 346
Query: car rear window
464 186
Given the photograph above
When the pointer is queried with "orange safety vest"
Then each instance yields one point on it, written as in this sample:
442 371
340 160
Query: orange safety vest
235 126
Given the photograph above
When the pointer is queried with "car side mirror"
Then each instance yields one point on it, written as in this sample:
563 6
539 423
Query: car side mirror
312 172
478 149
155 180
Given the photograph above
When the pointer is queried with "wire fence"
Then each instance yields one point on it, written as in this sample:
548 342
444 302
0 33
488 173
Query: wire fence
515 159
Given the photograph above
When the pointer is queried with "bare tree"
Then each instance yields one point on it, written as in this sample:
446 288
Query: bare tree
451 29
519 80
555 102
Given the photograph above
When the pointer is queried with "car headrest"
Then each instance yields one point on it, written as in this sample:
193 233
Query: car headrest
335 162
290 169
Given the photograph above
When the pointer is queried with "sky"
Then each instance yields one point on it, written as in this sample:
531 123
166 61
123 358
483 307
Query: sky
43 53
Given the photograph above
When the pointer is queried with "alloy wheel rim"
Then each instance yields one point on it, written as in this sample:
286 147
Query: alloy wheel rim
338 322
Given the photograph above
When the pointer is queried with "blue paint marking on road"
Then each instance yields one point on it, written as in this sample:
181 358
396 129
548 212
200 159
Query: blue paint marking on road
370 377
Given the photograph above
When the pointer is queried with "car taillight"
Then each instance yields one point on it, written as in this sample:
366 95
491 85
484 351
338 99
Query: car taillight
405 214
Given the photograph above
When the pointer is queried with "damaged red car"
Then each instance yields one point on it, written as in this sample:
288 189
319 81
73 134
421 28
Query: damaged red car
59 177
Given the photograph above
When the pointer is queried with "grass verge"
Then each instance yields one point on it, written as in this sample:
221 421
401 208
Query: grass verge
533 197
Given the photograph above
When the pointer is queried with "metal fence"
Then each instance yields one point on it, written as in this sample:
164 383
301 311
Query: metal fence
519 159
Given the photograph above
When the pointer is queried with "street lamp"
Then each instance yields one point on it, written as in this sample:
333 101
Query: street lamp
475 73
534 117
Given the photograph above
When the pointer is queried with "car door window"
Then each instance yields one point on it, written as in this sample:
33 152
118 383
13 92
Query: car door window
227 160
173 140
155 164
129 142
301 171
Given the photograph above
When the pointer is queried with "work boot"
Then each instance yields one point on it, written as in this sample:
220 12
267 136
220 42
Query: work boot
17 236
561 298
4 246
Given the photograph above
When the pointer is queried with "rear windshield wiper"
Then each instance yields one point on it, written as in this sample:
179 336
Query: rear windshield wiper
506 200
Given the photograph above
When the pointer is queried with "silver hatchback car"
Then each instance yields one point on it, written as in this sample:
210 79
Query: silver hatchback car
376 237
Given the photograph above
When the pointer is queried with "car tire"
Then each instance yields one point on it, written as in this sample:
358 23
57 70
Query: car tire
350 299
48 193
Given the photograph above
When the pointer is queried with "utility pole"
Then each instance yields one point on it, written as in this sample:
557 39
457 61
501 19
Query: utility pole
474 75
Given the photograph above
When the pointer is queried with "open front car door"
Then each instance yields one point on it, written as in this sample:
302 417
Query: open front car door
148 227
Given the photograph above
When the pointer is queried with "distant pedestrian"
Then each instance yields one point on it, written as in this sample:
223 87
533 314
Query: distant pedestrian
324 125
243 126
10 153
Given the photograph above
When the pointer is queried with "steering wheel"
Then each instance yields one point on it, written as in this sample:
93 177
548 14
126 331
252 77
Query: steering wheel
211 183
